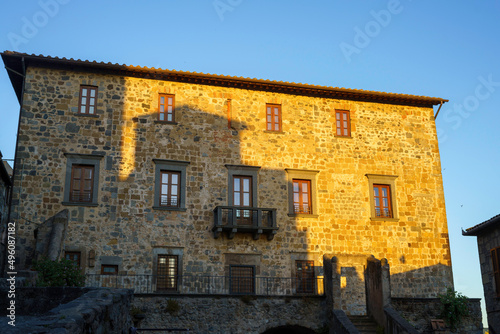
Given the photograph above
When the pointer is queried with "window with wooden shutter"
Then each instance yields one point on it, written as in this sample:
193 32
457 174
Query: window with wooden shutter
88 100
342 123
273 117
82 183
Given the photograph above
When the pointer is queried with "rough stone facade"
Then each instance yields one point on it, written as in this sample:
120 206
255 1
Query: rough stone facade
231 314
218 132
488 239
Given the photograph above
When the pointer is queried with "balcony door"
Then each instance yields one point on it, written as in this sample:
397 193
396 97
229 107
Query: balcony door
242 196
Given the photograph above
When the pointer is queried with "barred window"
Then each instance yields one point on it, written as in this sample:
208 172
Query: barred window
242 279
167 272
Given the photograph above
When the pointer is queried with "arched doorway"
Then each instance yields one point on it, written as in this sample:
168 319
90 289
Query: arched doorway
295 329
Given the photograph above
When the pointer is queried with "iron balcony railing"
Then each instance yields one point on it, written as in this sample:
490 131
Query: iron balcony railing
236 219
217 285
383 212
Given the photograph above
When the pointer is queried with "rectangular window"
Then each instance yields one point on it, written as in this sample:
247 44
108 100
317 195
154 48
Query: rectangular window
382 200
242 196
305 280
82 181
109 269
343 123
170 187
88 100
302 196
273 117
74 257
167 272
495 258
242 279
166 108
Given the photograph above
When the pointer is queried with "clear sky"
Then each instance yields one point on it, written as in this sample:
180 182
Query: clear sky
446 49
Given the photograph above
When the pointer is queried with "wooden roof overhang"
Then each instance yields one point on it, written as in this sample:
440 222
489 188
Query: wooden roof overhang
16 64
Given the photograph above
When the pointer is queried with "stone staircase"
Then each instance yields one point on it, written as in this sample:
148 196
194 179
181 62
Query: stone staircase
364 324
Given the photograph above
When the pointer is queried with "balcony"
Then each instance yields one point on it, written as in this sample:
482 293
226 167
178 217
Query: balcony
234 219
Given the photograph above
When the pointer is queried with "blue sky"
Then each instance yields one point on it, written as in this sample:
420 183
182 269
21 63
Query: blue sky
441 49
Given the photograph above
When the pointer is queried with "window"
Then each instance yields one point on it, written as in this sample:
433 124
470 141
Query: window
305 280
88 99
169 193
242 279
170 185
343 123
166 108
495 258
109 269
242 185
167 273
242 196
382 200
74 257
302 196
382 191
82 180
273 117
302 192
82 177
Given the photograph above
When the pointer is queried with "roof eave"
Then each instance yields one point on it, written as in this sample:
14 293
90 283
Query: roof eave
13 60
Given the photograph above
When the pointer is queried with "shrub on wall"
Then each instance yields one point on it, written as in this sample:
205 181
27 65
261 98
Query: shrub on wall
454 306
58 273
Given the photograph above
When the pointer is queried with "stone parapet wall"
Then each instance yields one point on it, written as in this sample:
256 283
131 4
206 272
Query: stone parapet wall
94 311
419 312
231 314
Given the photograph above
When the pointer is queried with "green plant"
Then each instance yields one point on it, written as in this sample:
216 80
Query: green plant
172 306
454 306
58 273
135 311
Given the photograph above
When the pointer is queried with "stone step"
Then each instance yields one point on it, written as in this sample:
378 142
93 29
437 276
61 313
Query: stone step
364 324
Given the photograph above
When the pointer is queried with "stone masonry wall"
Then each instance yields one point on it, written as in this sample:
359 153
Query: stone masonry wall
231 314
386 139
419 312
486 243
96 311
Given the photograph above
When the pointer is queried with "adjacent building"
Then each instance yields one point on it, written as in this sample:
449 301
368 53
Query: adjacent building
169 174
488 244
5 187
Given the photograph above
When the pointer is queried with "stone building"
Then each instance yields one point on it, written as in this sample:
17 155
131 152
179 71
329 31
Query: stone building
5 187
169 175
488 244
